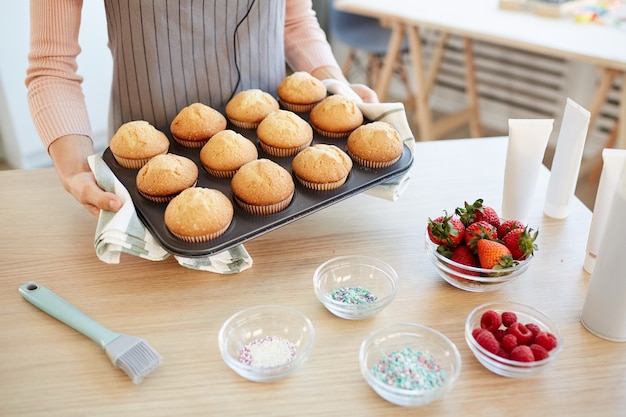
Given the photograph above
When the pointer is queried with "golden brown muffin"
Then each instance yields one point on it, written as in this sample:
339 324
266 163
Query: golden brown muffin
247 108
195 124
199 214
284 133
226 152
300 91
262 187
375 145
322 167
336 116
136 142
166 175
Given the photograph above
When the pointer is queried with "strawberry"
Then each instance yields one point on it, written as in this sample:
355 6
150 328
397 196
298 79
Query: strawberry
477 231
508 225
476 212
446 230
464 256
521 242
493 255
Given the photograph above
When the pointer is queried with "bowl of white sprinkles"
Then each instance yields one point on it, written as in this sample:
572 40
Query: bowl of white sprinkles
266 343
355 287
409 364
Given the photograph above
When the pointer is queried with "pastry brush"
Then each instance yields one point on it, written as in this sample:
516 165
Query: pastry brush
132 354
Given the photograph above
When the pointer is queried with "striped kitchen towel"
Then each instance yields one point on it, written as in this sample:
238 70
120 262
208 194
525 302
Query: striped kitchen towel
392 113
123 232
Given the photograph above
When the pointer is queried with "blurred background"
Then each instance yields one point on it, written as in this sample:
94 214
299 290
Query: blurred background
511 84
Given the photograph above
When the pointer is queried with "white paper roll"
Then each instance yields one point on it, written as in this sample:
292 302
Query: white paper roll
604 309
567 157
528 139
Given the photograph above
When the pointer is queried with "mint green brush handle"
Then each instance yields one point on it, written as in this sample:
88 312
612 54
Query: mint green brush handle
49 302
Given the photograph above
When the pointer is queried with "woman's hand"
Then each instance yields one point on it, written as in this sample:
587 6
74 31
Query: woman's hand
69 154
366 93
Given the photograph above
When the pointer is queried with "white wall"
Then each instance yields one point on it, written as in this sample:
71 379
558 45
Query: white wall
21 147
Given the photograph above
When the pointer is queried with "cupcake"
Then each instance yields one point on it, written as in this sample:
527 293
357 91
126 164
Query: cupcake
166 175
322 167
198 214
247 108
194 125
300 91
262 187
284 133
136 142
375 145
226 152
336 116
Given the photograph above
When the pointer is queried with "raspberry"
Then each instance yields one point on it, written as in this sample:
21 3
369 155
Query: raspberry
509 342
488 341
499 334
546 340
539 352
503 354
533 328
490 320
476 331
508 318
523 334
522 353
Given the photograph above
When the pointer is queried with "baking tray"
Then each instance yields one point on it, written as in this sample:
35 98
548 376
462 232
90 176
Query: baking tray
246 226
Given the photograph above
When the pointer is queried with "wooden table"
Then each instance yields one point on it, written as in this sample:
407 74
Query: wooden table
483 20
48 369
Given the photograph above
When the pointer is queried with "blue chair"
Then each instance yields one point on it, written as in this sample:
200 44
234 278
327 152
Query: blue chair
362 33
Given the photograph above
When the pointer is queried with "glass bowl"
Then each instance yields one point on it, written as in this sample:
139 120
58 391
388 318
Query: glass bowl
470 278
266 343
355 287
503 366
433 359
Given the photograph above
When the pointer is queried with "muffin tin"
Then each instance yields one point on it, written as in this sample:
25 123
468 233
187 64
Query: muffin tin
247 226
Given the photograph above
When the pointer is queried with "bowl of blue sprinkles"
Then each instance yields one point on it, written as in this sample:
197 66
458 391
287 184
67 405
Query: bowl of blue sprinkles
266 343
355 287
409 364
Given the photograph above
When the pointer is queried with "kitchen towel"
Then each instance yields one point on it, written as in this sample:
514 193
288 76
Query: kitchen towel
123 232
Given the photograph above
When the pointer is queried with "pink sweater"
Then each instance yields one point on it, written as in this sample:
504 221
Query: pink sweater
194 57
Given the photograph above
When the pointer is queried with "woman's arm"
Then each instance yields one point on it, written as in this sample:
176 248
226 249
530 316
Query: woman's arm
56 99
307 48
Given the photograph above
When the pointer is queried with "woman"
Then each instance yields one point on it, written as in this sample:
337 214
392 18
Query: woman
166 55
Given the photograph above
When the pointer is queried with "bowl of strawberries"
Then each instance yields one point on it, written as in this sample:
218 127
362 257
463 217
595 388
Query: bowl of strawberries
511 339
475 250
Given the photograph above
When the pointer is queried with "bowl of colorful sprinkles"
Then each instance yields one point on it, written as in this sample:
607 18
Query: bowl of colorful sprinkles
409 364
355 287
266 343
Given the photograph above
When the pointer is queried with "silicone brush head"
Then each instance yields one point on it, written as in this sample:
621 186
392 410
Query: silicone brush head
134 356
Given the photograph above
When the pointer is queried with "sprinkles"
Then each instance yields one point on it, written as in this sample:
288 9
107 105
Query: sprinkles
409 369
353 295
268 352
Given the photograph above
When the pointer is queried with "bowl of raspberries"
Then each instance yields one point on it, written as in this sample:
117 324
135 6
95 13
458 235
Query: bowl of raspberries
512 339
475 250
